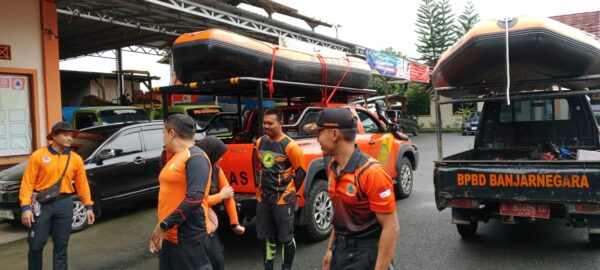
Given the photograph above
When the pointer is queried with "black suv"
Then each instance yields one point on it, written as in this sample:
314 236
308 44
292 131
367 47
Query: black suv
406 122
470 125
122 164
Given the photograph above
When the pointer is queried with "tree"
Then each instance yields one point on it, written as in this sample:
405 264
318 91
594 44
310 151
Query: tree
417 99
435 29
467 20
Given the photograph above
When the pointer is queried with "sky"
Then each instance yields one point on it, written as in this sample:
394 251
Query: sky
374 24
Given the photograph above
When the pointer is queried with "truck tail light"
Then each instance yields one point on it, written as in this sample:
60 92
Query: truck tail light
463 203
587 208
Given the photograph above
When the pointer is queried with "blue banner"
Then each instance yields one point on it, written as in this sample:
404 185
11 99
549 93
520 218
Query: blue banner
388 65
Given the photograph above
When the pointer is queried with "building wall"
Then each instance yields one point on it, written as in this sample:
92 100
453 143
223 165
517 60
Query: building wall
30 28
449 120
27 58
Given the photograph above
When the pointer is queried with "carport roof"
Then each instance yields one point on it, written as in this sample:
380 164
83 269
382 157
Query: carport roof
89 26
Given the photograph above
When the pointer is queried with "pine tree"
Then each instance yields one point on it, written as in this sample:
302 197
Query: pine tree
446 26
427 31
435 29
467 20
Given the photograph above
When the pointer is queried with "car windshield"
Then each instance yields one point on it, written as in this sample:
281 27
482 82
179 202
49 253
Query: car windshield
86 143
202 115
123 115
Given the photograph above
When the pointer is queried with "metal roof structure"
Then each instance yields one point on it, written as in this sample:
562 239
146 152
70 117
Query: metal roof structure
150 26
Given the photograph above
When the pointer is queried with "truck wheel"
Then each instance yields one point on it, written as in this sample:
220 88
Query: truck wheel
467 231
594 239
404 180
320 212
79 217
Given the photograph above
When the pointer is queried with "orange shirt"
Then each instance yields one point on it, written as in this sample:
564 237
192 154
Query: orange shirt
183 195
229 202
44 168
362 189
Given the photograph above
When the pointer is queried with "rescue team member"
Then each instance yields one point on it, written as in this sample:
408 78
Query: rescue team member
220 190
182 200
282 172
365 225
44 169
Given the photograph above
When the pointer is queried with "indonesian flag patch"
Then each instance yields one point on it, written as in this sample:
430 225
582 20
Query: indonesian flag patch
384 192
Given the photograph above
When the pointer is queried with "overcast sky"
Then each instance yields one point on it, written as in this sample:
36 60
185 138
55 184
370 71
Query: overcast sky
375 24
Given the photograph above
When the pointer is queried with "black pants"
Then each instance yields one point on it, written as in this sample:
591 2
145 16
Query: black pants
55 218
349 254
185 256
217 259
275 221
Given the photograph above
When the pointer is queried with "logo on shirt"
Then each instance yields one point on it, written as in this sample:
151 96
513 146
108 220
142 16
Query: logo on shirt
268 160
351 190
46 159
384 192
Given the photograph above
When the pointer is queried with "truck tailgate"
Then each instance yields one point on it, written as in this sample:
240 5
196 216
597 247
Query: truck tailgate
536 181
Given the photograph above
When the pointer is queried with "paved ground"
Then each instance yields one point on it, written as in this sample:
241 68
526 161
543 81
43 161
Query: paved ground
427 240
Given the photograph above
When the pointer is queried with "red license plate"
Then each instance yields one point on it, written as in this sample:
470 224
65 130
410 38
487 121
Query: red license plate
525 210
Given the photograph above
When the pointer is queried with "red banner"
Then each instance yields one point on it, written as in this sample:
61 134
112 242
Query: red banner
419 73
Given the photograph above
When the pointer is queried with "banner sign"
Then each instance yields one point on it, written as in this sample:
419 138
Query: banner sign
392 66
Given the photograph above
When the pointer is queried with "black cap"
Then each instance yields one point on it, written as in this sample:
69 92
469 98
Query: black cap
61 126
213 147
340 118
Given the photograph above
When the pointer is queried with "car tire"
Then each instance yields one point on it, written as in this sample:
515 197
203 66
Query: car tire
319 209
416 133
15 222
467 231
404 180
79 222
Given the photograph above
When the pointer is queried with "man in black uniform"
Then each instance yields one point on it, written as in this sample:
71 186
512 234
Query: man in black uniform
282 171
365 224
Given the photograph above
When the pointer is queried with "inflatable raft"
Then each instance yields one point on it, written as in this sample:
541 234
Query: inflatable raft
218 54
539 49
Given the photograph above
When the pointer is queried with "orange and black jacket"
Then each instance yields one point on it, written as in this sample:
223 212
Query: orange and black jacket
219 181
183 195
361 189
282 169
44 168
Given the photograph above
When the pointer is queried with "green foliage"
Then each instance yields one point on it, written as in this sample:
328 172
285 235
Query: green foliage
464 112
418 100
467 20
435 29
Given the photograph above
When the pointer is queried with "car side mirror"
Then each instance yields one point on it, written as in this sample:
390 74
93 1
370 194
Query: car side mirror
109 153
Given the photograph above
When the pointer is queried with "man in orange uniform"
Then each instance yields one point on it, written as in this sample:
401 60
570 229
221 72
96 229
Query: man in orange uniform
365 224
44 170
220 190
282 172
182 200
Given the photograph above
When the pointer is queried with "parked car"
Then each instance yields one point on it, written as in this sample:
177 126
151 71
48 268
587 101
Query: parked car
106 115
121 163
470 125
406 122
376 136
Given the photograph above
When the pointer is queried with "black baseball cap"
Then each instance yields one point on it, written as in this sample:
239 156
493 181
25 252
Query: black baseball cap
340 118
62 126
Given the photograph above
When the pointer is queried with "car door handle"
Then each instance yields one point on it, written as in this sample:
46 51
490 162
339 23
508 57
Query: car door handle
372 142
138 160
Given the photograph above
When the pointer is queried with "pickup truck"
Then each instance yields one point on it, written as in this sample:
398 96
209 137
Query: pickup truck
377 137
523 166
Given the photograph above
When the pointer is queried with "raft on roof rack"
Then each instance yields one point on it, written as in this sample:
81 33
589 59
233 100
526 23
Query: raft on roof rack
542 52
216 54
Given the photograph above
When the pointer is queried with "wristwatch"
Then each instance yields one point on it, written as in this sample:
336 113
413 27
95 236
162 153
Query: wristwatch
164 226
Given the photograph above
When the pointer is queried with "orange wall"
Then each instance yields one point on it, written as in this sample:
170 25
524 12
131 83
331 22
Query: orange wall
50 61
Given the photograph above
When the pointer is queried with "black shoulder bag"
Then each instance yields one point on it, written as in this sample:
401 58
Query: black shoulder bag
53 191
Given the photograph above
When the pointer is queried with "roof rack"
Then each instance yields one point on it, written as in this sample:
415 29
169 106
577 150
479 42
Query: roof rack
249 86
